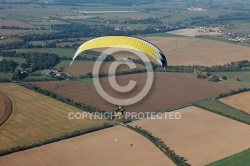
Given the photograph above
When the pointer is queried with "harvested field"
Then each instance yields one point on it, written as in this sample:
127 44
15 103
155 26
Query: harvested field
196 32
105 147
5 108
83 67
200 136
135 16
238 101
169 90
10 23
4 32
194 51
77 17
37 118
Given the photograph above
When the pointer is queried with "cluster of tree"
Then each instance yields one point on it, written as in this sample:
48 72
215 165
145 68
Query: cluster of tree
204 20
41 61
7 66
34 60
55 139
14 27
19 75
144 21
161 145
232 92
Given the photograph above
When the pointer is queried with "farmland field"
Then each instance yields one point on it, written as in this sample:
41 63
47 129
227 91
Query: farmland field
83 67
238 101
10 23
5 107
169 90
200 136
219 107
107 147
193 51
4 32
37 118
241 158
193 32
59 51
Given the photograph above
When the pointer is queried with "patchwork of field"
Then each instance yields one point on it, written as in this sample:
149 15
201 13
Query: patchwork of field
238 101
37 118
169 90
200 136
113 146
16 23
5 107
194 51
4 32
83 67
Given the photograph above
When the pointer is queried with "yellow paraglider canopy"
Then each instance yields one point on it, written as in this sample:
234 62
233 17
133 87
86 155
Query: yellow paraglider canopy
124 42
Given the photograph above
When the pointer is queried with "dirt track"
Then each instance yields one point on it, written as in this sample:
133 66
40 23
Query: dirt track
108 147
5 108
200 136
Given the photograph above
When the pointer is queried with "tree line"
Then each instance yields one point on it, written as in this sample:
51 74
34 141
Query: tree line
161 145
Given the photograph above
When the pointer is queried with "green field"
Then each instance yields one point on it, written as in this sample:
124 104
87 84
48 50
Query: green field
15 59
5 75
239 159
37 118
221 108
244 78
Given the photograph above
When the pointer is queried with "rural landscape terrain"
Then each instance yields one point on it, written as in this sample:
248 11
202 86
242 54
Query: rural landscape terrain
207 83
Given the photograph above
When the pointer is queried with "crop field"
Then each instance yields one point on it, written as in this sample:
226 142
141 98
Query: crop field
200 136
235 79
192 51
106 147
193 32
10 23
238 101
83 67
241 158
224 109
36 118
169 90
5 107
5 32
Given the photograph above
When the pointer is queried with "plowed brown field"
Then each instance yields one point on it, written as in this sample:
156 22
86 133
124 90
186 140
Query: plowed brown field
82 68
200 136
169 90
108 147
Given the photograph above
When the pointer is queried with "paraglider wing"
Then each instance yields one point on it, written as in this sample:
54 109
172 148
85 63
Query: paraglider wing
124 42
